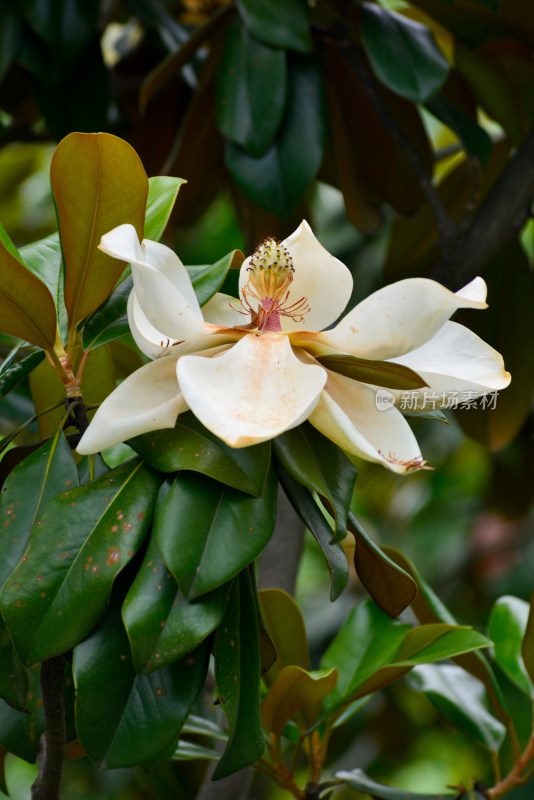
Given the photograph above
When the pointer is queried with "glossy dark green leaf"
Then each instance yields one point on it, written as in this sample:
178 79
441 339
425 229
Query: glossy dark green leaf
162 625
20 732
207 532
302 501
79 544
358 780
391 587
314 461
124 719
367 639
110 321
11 376
462 700
91 467
43 258
162 193
190 446
282 23
189 751
65 25
208 278
507 626
237 673
474 138
38 478
379 373
278 180
403 53
251 90
13 676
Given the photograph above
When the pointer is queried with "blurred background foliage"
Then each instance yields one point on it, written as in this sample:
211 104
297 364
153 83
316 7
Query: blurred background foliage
398 143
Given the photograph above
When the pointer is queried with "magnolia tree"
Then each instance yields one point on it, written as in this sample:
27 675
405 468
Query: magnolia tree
182 409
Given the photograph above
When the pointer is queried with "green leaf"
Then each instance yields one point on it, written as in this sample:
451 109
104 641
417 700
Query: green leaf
162 625
124 719
368 639
314 461
474 138
403 53
10 377
208 278
80 543
391 587
279 179
427 607
379 373
302 501
20 732
462 700
13 676
237 673
109 321
44 259
296 694
204 727
42 475
27 308
98 183
250 90
162 193
507 626
282 23
190 446
358 780
207 532
285 625
188 751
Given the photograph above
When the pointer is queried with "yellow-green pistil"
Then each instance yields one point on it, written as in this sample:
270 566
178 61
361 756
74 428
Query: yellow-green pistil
271 275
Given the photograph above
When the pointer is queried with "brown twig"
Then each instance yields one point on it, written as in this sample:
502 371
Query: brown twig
517 776
52 744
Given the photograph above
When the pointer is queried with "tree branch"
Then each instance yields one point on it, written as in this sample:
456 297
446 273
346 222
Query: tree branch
498 220
52 744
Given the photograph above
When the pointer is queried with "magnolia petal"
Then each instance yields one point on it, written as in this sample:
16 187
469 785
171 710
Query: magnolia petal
400 317
149 339
347 414
149 399
162 285
323 280
221 309
453 362
252 392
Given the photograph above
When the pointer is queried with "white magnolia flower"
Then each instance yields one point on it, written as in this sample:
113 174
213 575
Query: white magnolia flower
250 369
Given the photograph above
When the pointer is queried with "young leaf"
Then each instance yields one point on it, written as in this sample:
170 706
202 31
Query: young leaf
237 672
507 626
306 507
207 532
98 183
80 543
162 625
403 53
391 587
27 308
250 90
124 719
296 694
190 446
285 625
314 461
461 700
